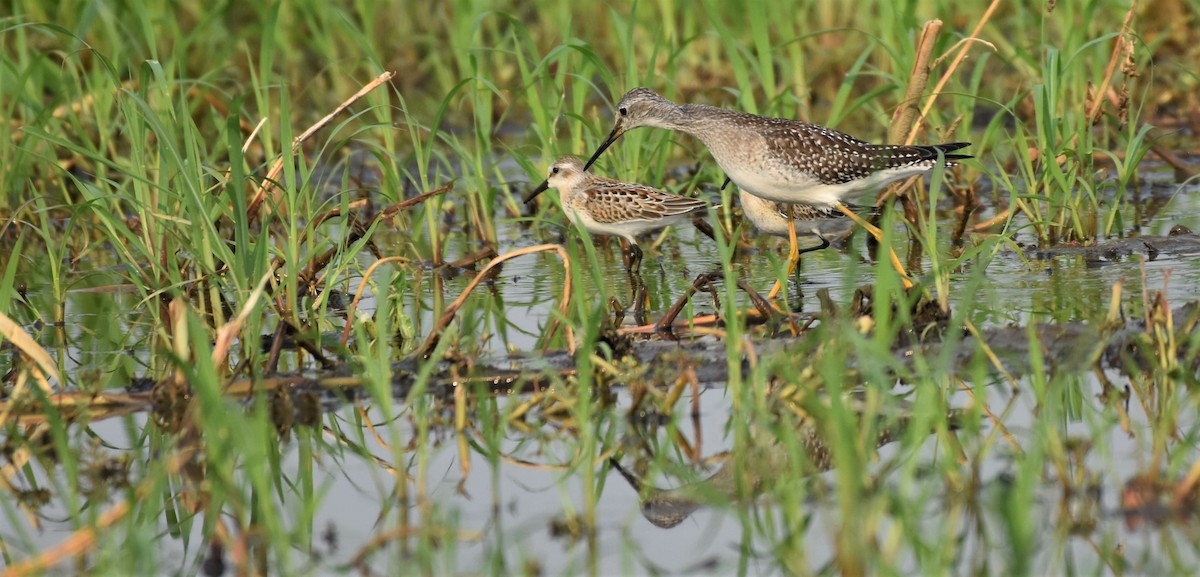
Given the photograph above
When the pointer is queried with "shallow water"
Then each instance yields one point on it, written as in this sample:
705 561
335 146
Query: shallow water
506 509
509 508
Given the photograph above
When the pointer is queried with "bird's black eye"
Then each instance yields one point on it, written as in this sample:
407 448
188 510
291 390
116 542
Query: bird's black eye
554 170
624 111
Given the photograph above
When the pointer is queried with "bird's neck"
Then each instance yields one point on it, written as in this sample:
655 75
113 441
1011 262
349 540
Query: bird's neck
696 120
569 186
677 118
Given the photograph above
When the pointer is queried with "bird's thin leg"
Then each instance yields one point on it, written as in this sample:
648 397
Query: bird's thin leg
793 253
824 245
637 287
878 234
635 259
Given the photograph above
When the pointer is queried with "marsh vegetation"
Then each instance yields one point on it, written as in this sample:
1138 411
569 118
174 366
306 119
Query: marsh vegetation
235 344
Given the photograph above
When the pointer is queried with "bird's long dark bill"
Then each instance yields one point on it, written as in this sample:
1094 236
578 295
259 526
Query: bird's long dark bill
612 137
540 189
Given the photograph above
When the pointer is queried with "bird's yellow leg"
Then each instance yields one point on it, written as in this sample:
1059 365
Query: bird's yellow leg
793 255
878 234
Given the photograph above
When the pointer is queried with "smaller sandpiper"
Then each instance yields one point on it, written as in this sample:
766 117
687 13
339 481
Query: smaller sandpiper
611 207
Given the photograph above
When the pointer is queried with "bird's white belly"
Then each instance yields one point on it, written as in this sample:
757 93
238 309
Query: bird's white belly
629 230
777 187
